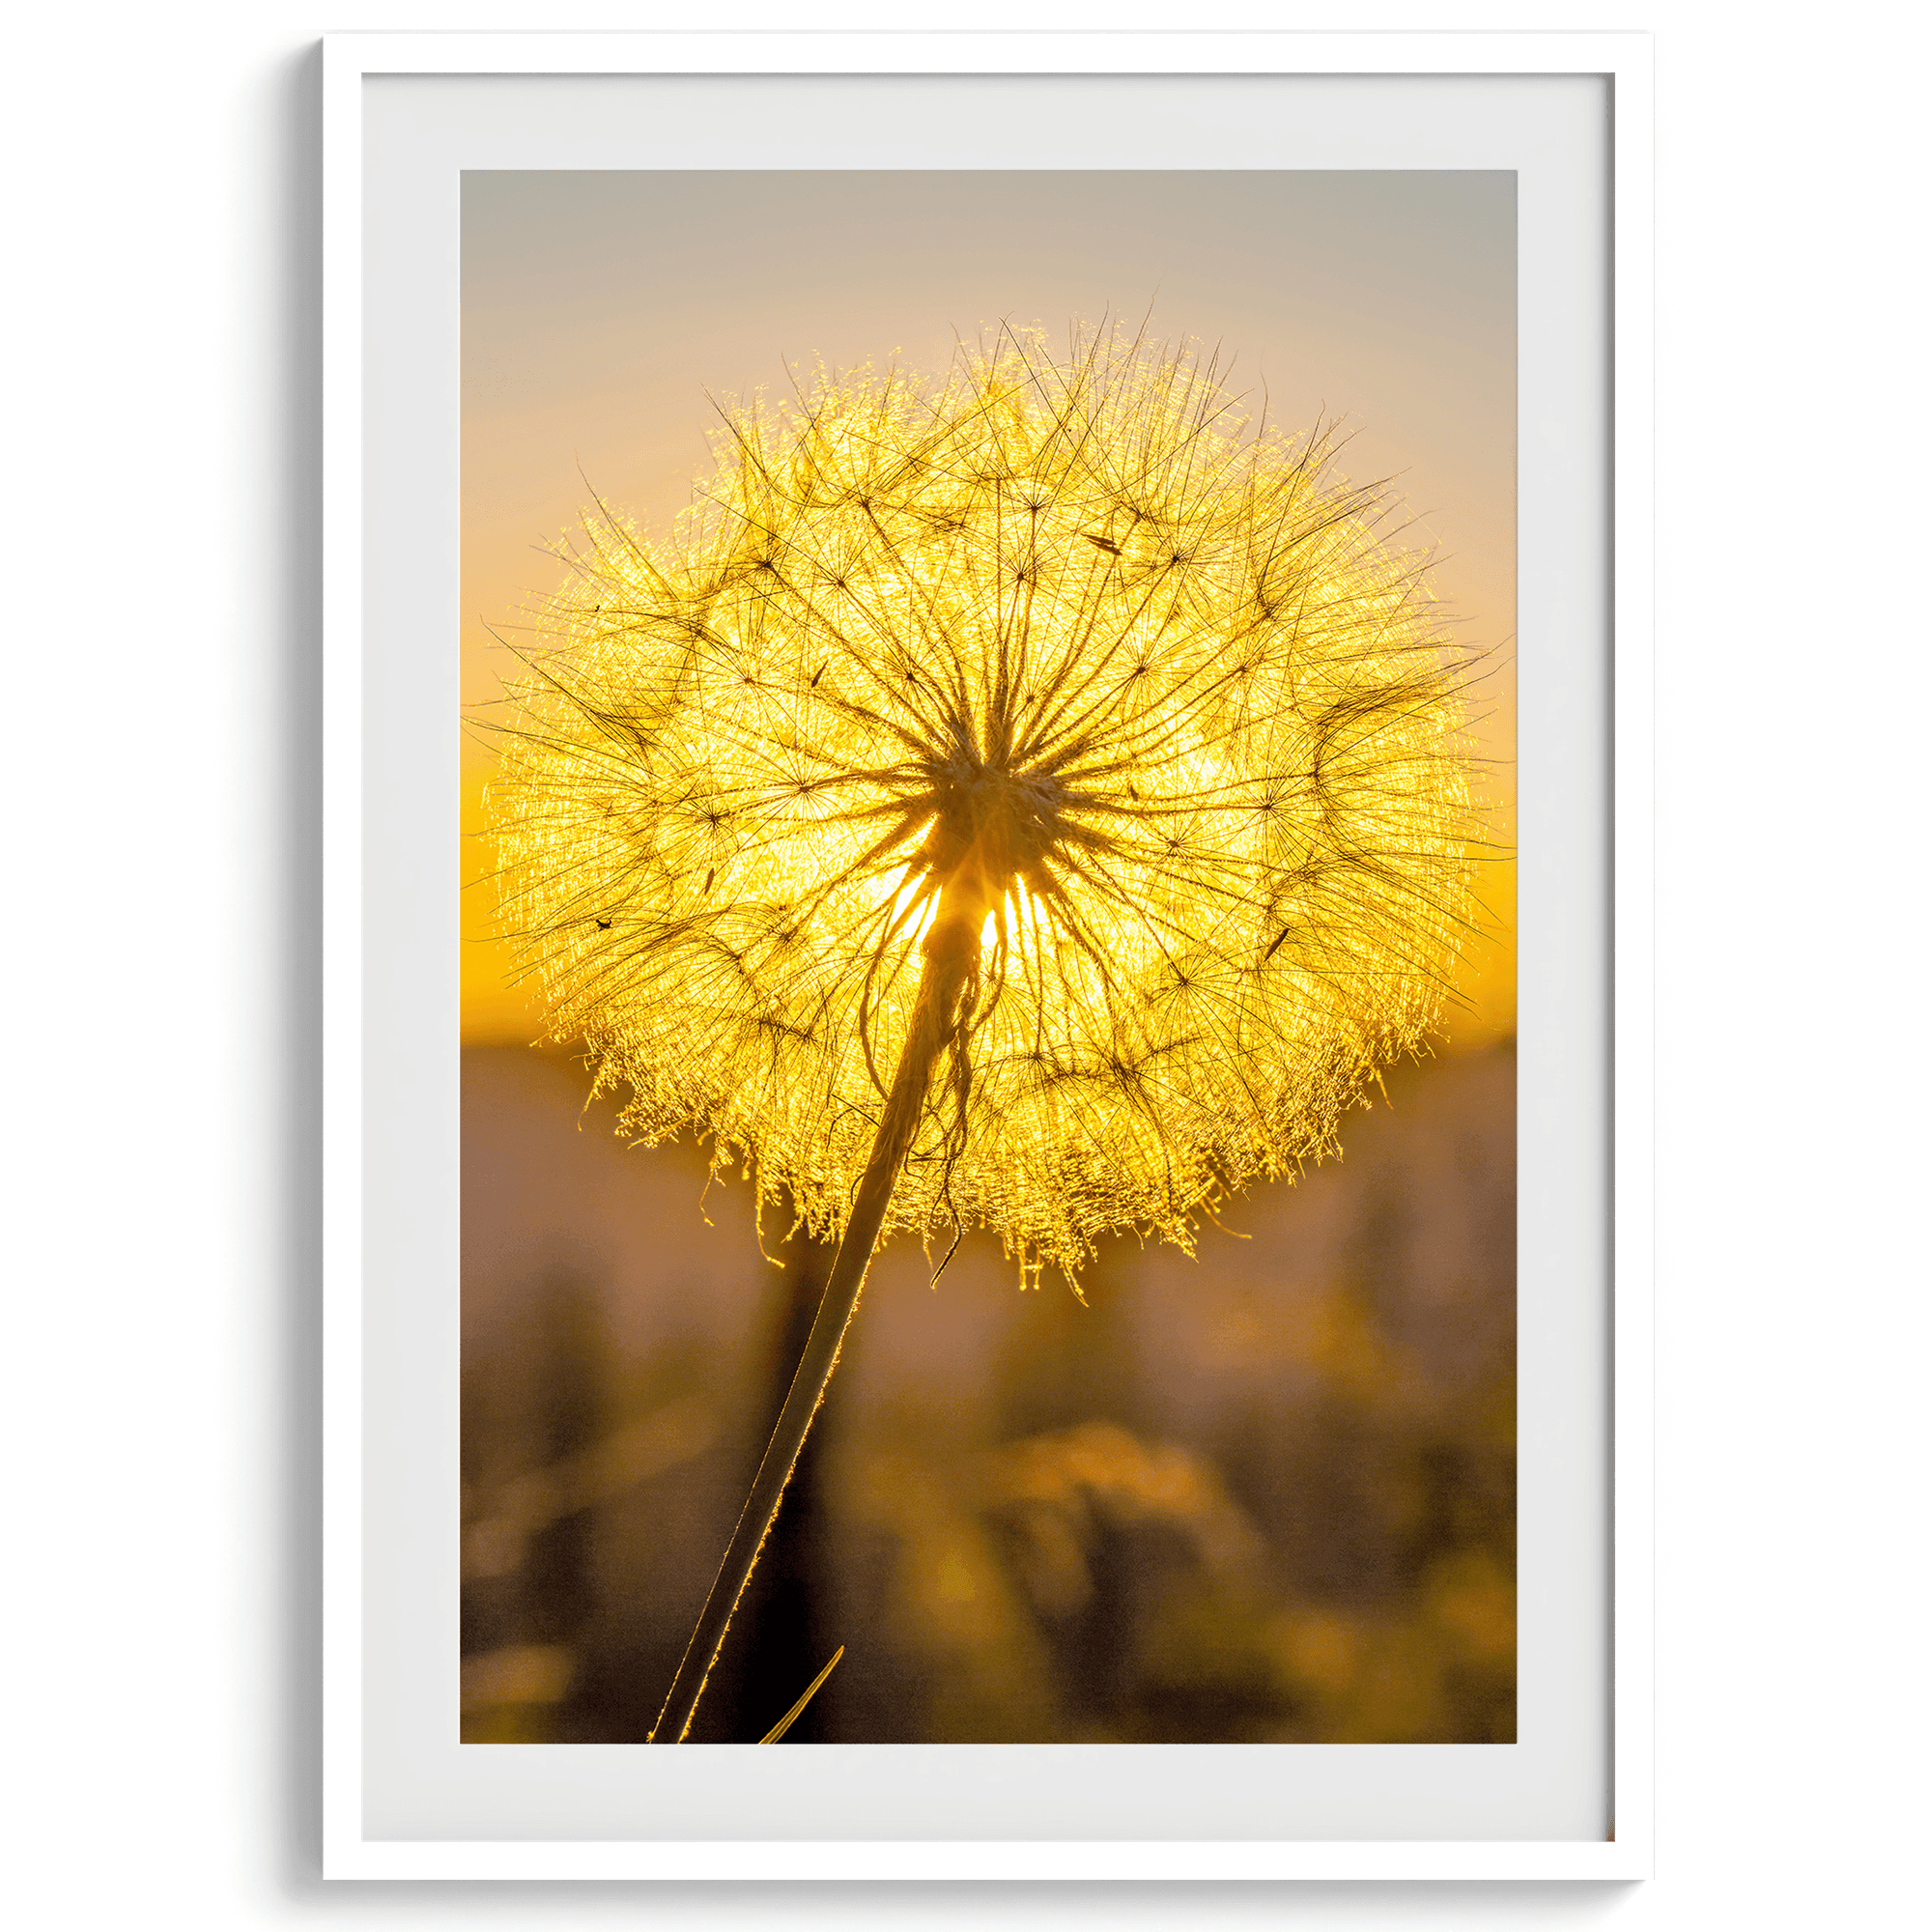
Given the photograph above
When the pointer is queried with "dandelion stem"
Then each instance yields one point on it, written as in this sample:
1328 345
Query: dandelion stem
950 952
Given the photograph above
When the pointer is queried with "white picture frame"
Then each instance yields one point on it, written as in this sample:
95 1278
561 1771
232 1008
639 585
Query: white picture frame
353 1375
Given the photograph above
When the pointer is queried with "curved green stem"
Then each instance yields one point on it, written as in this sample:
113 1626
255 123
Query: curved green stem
950 949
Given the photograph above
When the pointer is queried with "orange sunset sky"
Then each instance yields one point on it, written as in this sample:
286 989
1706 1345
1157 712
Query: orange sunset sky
602 311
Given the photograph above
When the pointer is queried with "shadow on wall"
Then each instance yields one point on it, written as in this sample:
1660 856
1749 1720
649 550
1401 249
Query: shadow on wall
1266 1495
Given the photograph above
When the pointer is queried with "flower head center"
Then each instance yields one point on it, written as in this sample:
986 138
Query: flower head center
992 826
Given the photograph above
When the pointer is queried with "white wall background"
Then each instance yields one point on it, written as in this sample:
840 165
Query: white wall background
161 656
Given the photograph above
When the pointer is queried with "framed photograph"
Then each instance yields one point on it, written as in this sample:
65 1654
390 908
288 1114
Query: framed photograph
988 731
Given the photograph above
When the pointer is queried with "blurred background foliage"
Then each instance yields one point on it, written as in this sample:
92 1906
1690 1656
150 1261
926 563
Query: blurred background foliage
1264 1494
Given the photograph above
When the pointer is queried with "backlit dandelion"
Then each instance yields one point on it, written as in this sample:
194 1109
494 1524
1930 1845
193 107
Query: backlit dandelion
1034 799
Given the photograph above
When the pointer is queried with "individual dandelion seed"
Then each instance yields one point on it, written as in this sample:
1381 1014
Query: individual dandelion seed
1036 798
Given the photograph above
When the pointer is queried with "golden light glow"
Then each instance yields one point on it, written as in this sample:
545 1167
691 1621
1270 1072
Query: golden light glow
1062 633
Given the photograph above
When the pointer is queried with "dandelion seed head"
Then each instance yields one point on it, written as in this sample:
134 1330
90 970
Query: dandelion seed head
1064 636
